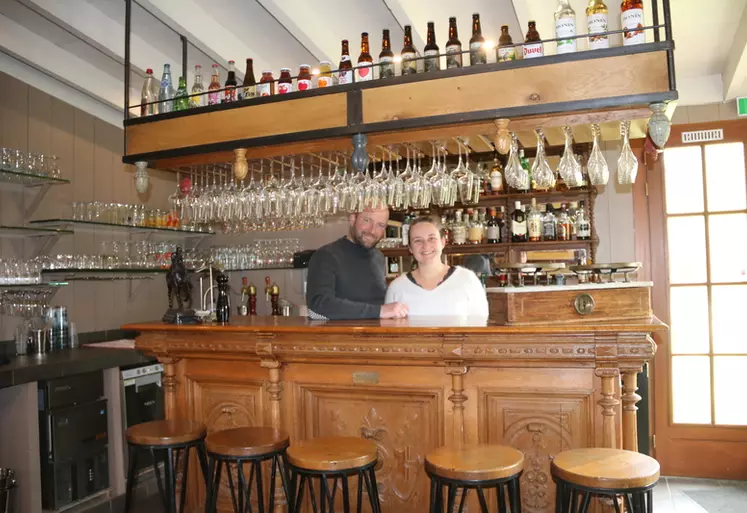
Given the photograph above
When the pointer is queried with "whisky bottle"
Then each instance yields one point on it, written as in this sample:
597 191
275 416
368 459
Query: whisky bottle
496 177
534 223
549 224
518 224
564 224
459 229
493 228
476 228
583 225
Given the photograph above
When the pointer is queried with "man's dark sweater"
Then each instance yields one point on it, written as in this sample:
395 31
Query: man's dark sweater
346 281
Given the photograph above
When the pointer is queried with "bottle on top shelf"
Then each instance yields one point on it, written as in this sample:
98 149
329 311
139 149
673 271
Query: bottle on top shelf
266 85
505 51
214 87
229 95
386 57
408 54
518 224
432 60
596 23
533 46
249 86
364 71
345 69
197 99
477 52
325 78
181 97
631 16
453 47
565 26
303 80
285 81
166 92
149 94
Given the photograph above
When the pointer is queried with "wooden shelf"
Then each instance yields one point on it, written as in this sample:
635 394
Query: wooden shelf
477 249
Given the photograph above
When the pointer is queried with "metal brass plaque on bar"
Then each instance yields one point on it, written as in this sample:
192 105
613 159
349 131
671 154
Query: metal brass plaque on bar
584 304
366 378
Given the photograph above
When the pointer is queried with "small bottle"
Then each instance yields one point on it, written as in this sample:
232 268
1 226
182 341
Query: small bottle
406 230
565 26
572 212
345 69
222 304
564 224
496 177
502 225
505 51
459 229
149 94
583 225
325 75
214 87
476 228
477 53
493 228
365 61
549 224
285 82
533 46
446 229
597 23
266 86
534 223
409 66
249 87
181 99
432 61
386 57
304 77
229 95
518 224
166 92
453 47
631 16
197 99
525 164
393 265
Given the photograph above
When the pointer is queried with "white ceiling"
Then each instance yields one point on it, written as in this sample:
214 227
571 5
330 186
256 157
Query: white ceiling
79 44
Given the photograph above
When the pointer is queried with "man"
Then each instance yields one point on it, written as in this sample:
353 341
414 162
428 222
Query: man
347 277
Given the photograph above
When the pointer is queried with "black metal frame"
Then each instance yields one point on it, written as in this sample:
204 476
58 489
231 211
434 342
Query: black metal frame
512 492
300 477
574 498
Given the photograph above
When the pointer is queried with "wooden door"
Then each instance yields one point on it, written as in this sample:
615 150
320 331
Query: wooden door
697 202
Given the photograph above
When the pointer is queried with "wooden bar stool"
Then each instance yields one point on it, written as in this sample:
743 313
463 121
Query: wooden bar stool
335 458
475 467
581 474
239 446
171 439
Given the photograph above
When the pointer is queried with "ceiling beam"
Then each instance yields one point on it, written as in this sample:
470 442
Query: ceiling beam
735 68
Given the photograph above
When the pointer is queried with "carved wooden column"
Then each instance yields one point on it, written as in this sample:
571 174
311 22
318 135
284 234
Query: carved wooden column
274 389
630 410
608 403
458 398
170 386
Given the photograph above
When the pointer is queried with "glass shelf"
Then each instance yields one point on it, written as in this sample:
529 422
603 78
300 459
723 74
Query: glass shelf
90 226
31 231
284 268
472 249
29 179
31 286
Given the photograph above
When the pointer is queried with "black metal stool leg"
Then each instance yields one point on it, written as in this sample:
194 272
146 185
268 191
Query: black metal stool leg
202 455
160 485
514 495
273 472
299 496
345 495
260 496
231 487
452 498
209 484
586 498
215 487
285 479
559 497
360 492
131 478
185 470
462 500
170 479
481 496
432 505
500 498
375 490
574 499
650 501
242 487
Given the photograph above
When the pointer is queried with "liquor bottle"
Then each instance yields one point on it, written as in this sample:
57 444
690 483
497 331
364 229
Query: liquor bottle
496 177
406 230
303 80
565 26
459 229
432 61
583 226
285 81
446 229
453 47
502 226
266 85
549 224
181 99
166 92
596 23
229 95
572 213
631 15
214 96
564 224
409 66
365 61
249 87
149 94
518 224
222 303
476 228
197 99
505 51
345 74
534 222
386 57
493 228
393 265
477 53
533 46
525 164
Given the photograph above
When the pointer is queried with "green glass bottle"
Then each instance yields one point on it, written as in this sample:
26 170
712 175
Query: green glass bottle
181 99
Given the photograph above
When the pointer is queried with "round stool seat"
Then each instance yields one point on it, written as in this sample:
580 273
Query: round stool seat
332 453
600 468
166 432
246 442
481 462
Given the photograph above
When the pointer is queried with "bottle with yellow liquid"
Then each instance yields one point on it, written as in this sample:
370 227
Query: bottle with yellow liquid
597 23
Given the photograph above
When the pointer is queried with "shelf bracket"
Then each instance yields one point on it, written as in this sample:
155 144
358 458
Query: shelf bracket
40 193
49 241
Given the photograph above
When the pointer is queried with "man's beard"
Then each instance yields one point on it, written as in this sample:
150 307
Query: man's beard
361 242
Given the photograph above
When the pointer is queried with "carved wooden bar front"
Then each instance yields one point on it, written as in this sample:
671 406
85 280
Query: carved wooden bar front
411 387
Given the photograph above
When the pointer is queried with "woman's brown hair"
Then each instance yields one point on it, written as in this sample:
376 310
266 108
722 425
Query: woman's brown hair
434 220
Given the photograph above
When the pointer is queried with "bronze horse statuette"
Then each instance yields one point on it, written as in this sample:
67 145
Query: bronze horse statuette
178 283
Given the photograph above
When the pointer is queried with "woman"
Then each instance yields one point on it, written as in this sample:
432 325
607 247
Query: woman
434 288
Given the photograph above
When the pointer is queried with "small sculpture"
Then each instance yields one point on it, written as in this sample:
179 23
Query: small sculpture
180 287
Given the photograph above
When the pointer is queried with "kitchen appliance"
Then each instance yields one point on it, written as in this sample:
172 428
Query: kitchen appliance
73 439
144 400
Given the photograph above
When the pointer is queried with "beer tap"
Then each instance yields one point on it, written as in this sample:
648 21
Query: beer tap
252 299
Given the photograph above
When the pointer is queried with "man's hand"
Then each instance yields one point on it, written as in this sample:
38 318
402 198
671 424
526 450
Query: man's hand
393 311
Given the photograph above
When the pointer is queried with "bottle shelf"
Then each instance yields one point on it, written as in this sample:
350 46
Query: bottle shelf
45 285
92 226
31 231
8 176
476 249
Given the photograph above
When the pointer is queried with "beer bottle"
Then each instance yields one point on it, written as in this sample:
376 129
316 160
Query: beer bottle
453 47
631 14
596 22
432 60
229 95
409 66
386 57
181 100
213 95
477 54
346 67
365 61
249 87
505 52
532 46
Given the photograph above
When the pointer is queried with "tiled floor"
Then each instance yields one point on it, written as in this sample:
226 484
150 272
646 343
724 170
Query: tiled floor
688 495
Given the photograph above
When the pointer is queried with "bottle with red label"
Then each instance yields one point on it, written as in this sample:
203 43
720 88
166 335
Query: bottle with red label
229 95
285 82
345 68
304 78
533 46
365 61
631 15
214 87
266 86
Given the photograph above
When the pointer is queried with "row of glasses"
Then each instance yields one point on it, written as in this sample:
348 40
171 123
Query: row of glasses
28 303
19 161
123 214
14 271
260 254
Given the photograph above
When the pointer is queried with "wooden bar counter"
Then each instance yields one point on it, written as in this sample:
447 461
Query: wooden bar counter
410 386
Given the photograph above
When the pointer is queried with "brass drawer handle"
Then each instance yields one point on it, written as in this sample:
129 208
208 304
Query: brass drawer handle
584 304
